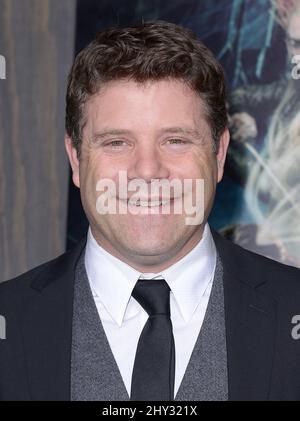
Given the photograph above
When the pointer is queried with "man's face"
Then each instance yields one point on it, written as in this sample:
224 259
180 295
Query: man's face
153 131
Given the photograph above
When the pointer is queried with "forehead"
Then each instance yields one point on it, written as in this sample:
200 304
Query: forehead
150 104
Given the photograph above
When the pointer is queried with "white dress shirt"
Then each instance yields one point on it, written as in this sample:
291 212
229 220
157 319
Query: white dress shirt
123 318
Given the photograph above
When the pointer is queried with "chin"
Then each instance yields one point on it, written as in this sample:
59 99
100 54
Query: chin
149 248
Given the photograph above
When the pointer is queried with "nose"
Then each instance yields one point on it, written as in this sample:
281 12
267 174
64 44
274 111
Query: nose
148 163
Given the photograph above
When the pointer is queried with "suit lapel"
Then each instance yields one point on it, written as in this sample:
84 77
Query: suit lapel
250 324
47 328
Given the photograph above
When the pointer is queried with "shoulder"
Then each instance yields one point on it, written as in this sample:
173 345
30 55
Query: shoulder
42 275
257 270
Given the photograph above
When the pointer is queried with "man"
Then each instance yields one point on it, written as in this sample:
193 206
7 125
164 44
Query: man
151 305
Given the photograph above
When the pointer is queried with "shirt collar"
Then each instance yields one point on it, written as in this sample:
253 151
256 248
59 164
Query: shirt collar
190 276
113 280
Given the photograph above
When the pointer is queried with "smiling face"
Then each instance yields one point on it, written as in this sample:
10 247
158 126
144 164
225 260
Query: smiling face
152 131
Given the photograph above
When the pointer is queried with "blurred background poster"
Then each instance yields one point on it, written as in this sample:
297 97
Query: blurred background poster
257 203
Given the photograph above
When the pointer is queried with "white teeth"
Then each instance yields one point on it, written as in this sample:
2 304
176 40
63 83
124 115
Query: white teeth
148 204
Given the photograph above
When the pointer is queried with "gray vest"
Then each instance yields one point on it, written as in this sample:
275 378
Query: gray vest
95 375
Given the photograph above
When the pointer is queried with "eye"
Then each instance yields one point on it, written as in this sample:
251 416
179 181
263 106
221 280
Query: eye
115 143
177 141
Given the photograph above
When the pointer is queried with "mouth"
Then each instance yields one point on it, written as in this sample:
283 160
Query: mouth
149 203
148 206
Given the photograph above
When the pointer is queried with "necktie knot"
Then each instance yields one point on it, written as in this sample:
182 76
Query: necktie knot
153 295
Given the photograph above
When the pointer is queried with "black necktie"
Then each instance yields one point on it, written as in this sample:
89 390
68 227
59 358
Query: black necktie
154 365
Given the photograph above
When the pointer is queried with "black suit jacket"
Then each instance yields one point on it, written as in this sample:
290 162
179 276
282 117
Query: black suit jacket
261 297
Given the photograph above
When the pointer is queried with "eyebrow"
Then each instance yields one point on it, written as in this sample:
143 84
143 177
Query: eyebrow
173 130
182 130
109 132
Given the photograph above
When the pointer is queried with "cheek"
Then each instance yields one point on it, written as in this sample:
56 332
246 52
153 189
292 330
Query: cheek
92 170
89 176
204 168
201 166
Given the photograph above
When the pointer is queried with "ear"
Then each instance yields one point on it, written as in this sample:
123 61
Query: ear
73 159
222 151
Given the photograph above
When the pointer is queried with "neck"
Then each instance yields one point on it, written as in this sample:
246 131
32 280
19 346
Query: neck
150 263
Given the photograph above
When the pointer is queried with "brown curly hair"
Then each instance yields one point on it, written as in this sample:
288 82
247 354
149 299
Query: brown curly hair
148 51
